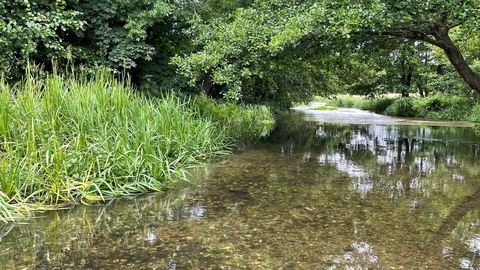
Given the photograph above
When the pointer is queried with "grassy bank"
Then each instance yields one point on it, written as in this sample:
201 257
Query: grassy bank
434 107
76 139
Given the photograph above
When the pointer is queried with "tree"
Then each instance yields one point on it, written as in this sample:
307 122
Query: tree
431 22
137 36
116 31
400 67
248 45
252 54
29 29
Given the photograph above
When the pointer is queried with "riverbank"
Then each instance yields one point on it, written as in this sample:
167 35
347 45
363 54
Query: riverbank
78 138
434 107
342 115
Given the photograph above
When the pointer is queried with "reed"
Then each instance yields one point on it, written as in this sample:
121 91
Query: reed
242 122
78 138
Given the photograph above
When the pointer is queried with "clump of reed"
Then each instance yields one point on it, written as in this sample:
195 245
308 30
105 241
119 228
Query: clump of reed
242 122
78 138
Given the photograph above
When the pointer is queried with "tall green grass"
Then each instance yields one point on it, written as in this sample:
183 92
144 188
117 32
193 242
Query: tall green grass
77 138
242 122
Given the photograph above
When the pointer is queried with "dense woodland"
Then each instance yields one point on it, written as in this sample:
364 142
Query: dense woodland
272 52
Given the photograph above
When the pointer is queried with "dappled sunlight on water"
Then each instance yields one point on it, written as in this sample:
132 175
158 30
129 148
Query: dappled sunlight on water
315 195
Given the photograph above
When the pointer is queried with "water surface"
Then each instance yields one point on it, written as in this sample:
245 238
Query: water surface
357 192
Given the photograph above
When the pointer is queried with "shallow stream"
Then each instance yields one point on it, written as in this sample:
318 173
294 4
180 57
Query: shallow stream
339 189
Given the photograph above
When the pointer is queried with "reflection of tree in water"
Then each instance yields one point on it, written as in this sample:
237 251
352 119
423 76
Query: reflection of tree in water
384 152
460 232
439 164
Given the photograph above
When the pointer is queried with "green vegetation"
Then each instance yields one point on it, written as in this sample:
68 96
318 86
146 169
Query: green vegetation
291 50
325 108
343 101
241 122
82 138
435 107
274 53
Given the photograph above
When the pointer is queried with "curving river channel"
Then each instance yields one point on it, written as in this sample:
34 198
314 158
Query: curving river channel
341 189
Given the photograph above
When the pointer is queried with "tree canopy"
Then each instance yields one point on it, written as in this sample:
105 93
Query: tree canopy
267 37
31 29
269 51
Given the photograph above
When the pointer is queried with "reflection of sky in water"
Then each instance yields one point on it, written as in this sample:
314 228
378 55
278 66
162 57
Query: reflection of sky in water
473 244
197 212
362 186
393 147
366 251
321 133
151 237
342 164
361 257
465 263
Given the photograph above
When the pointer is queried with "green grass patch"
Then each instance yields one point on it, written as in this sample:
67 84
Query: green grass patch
435 107
325 108
343 101
79 138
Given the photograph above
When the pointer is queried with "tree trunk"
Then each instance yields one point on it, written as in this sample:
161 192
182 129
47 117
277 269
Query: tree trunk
407 83
461 66
422 91
440 32
207 82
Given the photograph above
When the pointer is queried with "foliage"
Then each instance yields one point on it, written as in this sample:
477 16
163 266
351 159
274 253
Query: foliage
404 107
273 52
135 35
241 122
442 106
29 29
345 101
251 55
242 52
396 67
75 138
116 31
377 105
325 108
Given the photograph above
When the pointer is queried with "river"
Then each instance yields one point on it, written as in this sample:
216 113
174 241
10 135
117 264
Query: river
343 189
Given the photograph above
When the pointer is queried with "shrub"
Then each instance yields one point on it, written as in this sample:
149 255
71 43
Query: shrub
378 105
242 122
402 107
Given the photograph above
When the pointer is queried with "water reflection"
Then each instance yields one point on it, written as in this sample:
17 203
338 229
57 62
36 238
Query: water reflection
360 257
473 245
313 196
380 155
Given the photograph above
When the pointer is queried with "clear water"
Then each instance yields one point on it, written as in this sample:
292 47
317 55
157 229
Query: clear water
349 191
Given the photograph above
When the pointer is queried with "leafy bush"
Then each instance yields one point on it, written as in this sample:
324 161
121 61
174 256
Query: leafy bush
344 101
402 107
474 115
241 122
378 105
446 107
